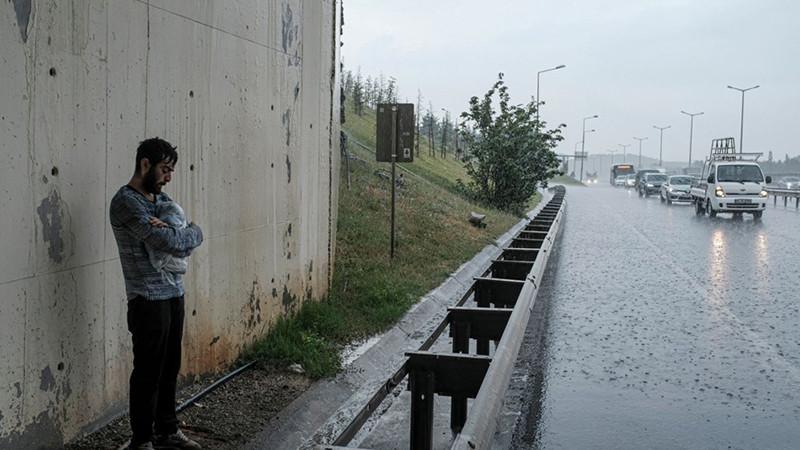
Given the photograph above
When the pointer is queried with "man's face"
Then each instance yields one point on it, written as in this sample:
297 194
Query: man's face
158 176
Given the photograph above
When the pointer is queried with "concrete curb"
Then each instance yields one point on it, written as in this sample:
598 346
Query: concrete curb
326 408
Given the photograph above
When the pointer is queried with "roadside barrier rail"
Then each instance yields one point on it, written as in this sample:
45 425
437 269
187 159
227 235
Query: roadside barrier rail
495 309
786 194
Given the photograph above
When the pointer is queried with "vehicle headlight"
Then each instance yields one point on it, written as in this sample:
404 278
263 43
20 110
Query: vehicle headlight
719 192
671 190
649 185
763 193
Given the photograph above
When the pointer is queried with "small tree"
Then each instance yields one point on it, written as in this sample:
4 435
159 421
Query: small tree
508 152
358 94
417 116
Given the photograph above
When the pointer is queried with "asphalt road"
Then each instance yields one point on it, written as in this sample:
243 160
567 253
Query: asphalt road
664 330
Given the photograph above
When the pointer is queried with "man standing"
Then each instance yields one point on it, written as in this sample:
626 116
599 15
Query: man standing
155 306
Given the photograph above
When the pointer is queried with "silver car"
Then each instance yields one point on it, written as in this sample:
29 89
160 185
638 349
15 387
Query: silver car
789 183
677 188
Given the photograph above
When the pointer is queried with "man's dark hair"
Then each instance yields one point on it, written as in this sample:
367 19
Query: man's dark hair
155 150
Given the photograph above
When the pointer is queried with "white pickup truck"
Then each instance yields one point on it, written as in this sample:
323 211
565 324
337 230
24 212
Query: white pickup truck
730 182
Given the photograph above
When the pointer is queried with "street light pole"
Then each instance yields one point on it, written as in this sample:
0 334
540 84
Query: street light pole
583 143
537 86
691 130
624 151
661 142
612 156
741 124
640 150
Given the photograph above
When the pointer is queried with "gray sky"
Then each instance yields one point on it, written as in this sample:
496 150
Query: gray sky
634 63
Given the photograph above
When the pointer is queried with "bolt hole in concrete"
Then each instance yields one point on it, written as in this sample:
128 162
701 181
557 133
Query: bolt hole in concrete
194 312
191 166
52 71
61 366
54 171
191 94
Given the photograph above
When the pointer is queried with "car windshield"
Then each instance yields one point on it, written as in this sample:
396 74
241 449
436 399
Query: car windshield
680 180
656 178
740 172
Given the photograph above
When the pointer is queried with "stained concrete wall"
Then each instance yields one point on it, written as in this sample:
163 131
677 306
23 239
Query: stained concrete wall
248 91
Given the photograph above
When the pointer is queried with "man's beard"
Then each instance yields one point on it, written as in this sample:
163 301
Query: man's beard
149 182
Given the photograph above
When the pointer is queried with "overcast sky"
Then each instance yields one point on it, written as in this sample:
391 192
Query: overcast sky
634 63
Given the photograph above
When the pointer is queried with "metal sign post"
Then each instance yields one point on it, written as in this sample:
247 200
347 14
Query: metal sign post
394 161
394 131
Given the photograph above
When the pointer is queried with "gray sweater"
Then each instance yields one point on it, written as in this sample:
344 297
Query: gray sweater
130 214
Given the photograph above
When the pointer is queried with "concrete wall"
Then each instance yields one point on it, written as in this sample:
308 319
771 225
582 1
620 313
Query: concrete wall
248 91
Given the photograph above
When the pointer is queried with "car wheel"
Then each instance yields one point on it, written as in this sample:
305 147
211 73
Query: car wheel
757 215
640 193
698 207
646 193
710 209
661 197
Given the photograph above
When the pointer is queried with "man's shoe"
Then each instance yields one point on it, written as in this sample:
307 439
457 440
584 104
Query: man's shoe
177 441
143 446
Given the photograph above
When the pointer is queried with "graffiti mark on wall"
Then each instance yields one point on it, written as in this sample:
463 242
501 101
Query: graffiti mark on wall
52 215
23 10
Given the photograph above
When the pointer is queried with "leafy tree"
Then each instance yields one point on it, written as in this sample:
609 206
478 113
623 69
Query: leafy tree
430 122
391 90
508 151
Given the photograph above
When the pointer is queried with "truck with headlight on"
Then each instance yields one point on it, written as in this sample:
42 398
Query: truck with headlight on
730 182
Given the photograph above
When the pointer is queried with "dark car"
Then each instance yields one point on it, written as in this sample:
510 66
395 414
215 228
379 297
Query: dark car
640 174
651 183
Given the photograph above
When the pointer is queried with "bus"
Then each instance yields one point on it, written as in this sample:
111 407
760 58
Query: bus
621 169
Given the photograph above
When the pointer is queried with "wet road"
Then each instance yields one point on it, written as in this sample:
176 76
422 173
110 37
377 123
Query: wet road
668 330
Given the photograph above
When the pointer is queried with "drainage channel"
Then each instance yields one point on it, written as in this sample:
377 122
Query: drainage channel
486 327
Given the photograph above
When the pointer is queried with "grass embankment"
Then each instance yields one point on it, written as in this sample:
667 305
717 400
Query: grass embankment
566 180
370 291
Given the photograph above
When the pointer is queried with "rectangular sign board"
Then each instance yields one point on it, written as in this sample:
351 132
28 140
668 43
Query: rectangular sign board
403 113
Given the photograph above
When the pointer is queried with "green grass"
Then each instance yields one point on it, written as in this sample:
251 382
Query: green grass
443 171
565 179
370 290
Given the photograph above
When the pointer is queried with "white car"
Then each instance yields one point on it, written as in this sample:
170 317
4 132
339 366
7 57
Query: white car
677 188
619 181
630 180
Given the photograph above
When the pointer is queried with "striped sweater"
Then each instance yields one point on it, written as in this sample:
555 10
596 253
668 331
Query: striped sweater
130 214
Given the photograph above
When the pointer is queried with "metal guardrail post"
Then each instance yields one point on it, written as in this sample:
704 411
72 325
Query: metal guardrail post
422 386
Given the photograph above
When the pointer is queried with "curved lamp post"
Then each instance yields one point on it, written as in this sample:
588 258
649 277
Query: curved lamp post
537 86
583 143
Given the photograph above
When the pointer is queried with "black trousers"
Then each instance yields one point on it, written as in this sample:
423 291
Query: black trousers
156 327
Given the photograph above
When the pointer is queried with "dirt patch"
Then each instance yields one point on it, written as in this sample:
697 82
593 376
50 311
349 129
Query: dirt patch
226 418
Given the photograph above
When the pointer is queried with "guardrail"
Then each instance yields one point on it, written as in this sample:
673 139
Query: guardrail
500 304
786 194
